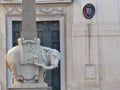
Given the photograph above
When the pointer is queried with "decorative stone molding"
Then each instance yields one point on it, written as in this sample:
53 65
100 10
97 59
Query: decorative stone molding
37 1
14 10
51 10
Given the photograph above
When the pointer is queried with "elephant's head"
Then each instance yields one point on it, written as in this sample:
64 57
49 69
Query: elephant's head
53 59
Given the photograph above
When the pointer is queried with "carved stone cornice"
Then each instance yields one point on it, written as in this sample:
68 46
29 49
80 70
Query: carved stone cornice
46 10
37 1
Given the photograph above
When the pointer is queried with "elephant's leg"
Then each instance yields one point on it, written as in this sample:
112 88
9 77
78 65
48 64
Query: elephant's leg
41 76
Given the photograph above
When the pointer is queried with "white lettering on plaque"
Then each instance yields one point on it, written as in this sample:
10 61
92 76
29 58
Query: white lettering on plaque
90 71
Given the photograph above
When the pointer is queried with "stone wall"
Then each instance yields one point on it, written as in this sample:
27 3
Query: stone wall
2 49
96 58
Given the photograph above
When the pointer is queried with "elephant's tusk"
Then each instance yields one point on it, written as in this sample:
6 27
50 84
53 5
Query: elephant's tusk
46 67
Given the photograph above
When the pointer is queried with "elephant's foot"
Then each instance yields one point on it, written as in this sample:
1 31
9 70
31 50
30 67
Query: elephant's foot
16 84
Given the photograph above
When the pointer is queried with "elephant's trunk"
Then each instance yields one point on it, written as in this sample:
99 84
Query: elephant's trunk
46 67
52 66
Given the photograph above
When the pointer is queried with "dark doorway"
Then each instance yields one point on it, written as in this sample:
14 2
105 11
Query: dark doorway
48 32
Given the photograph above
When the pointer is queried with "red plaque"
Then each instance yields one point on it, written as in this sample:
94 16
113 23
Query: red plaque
89 11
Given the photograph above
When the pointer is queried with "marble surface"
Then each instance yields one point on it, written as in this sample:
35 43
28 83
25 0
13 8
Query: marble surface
47 88
28 63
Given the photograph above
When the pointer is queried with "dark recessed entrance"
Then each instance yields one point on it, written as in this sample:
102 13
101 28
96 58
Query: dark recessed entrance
48 32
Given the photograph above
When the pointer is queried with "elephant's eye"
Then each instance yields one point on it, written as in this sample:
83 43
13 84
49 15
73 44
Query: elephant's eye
53 57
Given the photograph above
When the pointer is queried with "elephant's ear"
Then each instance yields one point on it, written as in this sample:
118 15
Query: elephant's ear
56 53
55 57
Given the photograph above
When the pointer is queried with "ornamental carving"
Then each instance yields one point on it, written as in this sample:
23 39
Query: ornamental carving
44 10
51 10
13 10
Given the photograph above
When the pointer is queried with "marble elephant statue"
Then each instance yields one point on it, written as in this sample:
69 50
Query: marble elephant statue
53 58
32 63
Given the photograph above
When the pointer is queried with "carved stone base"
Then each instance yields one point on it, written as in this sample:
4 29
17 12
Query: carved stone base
32 85
45 88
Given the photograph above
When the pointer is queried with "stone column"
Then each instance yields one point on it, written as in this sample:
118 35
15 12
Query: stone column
28 19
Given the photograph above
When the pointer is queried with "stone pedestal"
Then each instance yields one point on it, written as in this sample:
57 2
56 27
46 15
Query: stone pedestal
46 88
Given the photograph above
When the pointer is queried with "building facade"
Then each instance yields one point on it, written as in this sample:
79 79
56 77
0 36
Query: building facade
89 47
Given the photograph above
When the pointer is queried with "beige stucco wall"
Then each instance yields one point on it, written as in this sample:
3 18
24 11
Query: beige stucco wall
104 46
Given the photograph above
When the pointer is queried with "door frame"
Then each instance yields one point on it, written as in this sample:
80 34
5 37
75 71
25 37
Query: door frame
61 19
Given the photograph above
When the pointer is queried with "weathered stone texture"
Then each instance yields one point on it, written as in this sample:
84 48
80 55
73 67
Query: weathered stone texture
2 49
49 88
29 19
